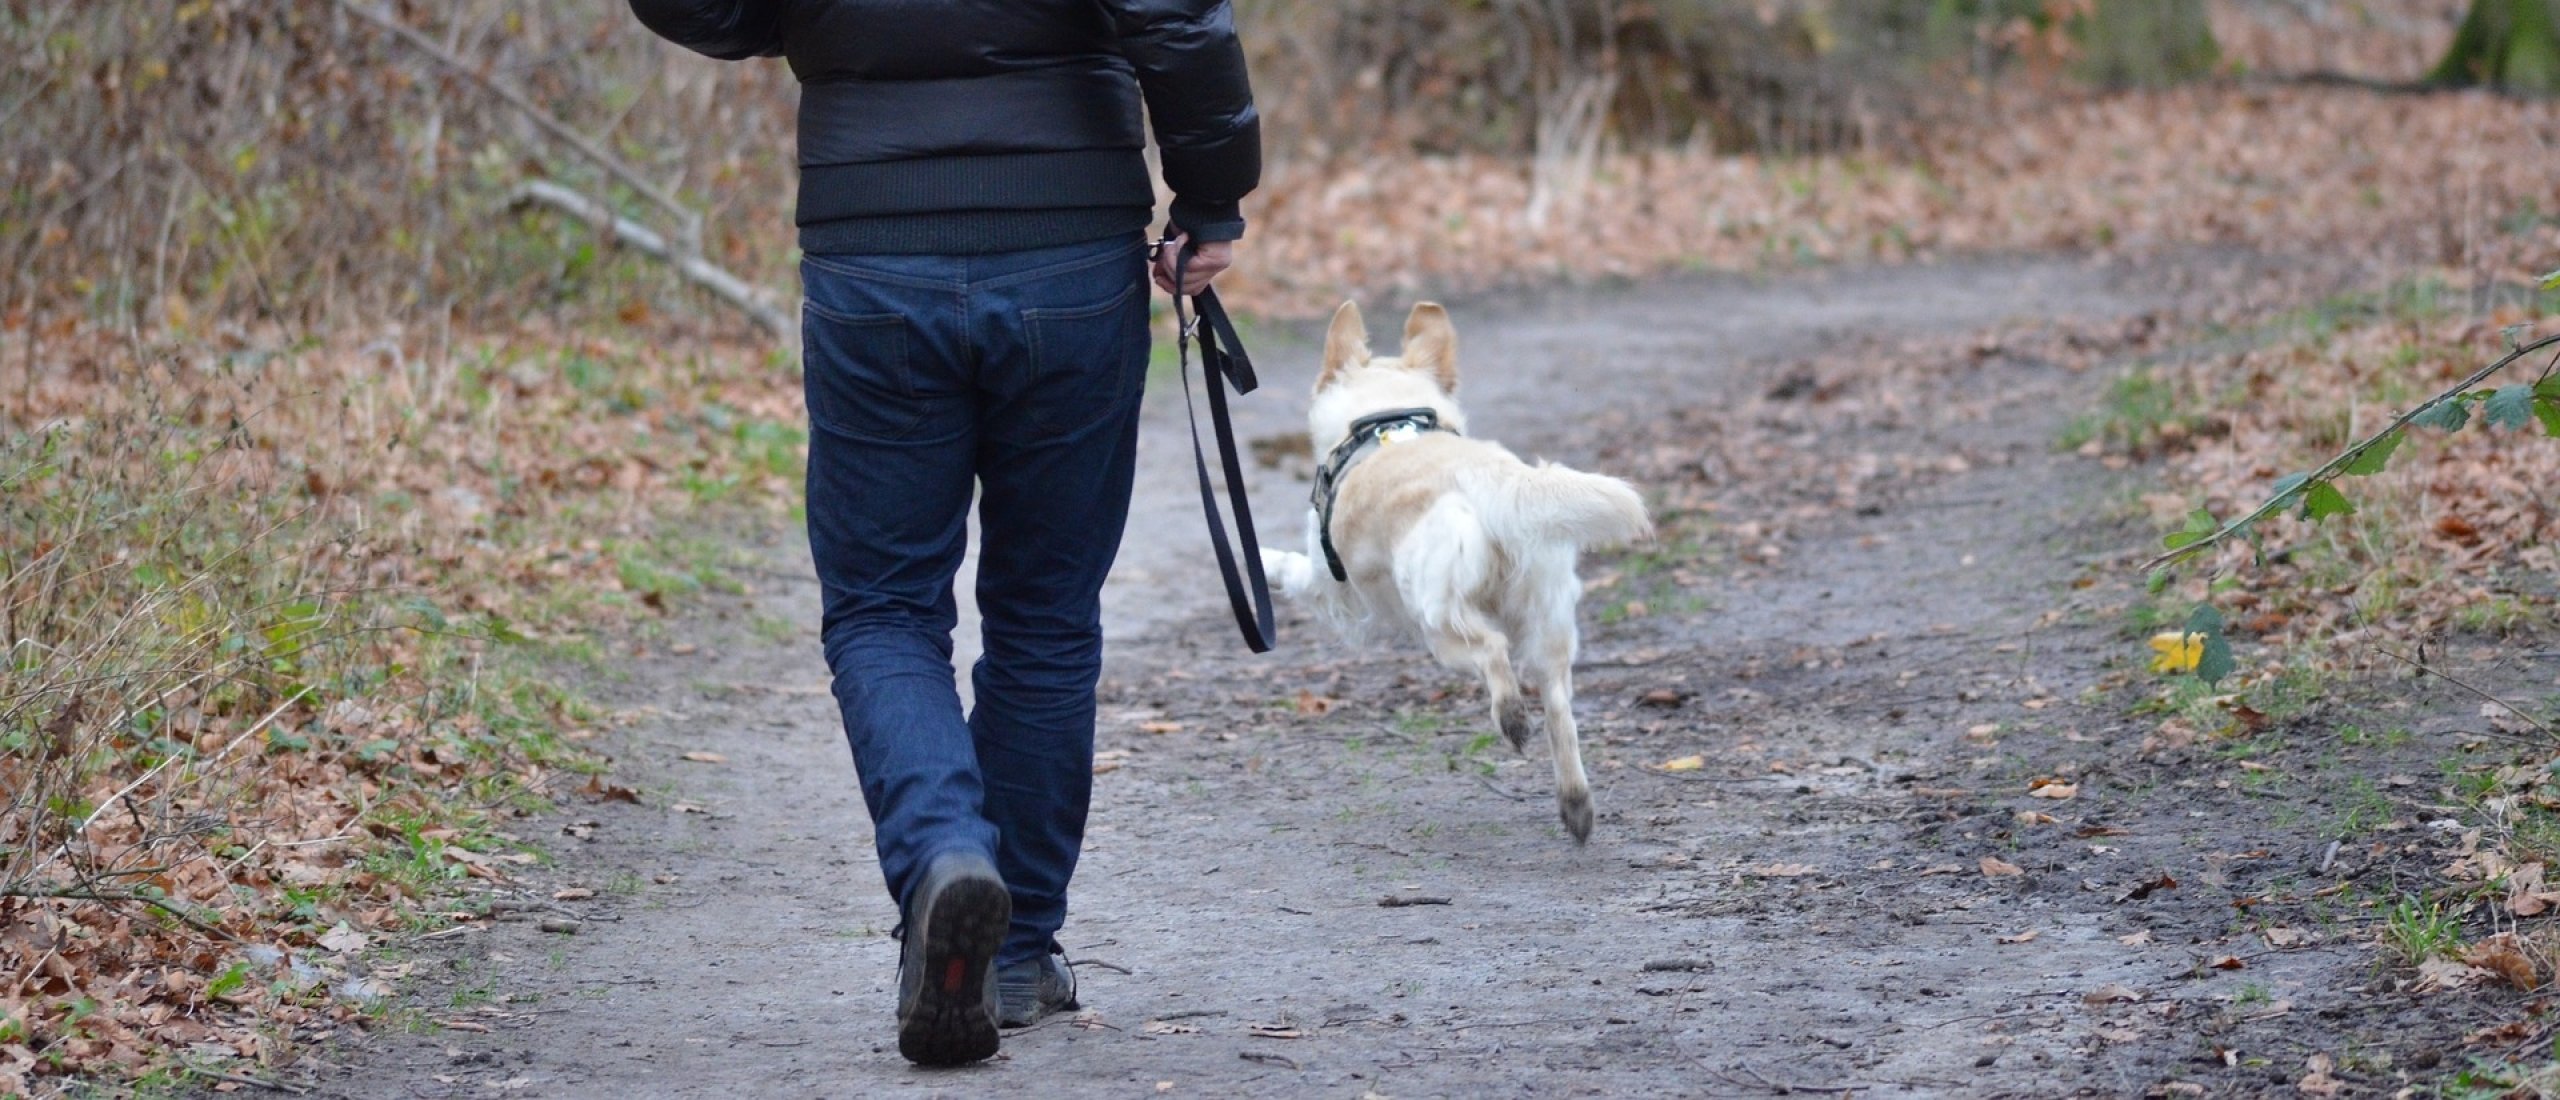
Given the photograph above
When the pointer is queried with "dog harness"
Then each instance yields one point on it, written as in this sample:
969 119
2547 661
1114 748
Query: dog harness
1368 433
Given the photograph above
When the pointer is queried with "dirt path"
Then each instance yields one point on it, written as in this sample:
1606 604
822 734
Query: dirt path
1809 910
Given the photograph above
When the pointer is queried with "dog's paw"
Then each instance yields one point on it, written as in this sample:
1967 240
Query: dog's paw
1514 716
1576 812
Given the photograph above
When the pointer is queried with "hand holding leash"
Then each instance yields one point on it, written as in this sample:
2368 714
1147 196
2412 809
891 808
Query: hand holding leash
1206 261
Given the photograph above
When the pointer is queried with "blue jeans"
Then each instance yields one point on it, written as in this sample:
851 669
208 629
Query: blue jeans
1020 373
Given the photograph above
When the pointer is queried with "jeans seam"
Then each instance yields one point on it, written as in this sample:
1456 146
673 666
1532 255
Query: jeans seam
1062 267
848 271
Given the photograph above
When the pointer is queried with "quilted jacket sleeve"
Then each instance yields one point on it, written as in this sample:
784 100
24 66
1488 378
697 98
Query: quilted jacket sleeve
726 29
1192 72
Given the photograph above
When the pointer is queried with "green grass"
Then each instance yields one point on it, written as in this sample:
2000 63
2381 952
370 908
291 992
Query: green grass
2140 407
2416 931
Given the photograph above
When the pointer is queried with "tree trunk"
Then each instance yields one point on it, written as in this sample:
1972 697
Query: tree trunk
2147 42
2510 45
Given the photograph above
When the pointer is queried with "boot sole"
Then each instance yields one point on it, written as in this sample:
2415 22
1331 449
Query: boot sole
948 1022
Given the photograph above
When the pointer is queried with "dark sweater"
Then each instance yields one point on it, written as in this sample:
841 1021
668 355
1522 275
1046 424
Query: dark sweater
972 126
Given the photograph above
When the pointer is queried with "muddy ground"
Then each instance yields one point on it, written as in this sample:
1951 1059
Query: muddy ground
1888 617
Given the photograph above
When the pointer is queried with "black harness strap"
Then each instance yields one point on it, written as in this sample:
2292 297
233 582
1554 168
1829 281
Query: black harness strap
1223 360
1366 434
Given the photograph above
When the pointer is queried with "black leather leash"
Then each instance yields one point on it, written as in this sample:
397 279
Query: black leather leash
1223 360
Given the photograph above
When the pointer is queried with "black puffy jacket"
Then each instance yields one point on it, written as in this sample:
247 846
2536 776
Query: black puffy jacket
961 126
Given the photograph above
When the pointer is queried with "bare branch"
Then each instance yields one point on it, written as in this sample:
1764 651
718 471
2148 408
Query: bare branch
751 300
688 220
2345 459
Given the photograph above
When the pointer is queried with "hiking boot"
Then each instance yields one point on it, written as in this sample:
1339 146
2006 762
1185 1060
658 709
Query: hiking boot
1034 988
946 974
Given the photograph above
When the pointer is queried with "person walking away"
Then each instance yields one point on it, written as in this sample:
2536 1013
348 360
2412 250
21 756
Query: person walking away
973 207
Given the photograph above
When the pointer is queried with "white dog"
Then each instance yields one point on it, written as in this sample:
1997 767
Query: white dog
1415 523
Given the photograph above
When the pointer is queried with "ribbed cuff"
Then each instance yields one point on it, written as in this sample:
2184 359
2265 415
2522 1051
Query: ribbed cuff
1207 221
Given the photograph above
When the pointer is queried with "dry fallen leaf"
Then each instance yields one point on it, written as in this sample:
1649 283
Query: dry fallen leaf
2030 817
1996 867
699 757
1682 764
2283 937
2228 962
2504 955
2027 936
2317 1081
2505 719
2135 939
602 791
572 893
1160 1027
1159 727
2053 788
2441 974
344 940
2110 993
1784 870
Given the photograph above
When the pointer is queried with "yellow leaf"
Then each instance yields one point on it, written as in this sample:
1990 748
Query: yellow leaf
1683 764
2176 652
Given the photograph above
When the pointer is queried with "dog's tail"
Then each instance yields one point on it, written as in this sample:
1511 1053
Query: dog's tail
1547 502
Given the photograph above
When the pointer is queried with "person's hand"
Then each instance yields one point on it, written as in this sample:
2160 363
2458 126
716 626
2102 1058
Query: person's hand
1207 261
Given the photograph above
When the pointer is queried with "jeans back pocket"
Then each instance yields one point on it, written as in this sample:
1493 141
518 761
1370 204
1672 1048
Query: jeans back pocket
856 374
1088 362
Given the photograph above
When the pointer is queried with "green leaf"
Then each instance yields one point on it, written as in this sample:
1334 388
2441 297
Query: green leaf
2509 407
2215 663
2288 489
2450 414
2547 410
2551 281
2375 457
2323 501
2157 582
2204 620
2200 526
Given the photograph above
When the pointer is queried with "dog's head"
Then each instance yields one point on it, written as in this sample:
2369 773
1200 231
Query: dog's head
1355 383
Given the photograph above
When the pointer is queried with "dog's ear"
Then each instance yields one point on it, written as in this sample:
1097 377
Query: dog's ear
1431 344
1346 344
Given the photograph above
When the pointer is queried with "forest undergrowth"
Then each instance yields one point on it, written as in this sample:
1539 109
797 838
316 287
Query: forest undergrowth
292 552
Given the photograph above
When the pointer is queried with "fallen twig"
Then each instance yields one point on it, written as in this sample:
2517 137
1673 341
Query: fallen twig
116 897
1783 1088
2456 681
746 297
1393 901
244 1079
683 249
1268 1057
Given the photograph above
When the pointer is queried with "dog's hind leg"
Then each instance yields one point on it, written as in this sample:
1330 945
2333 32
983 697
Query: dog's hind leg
1445 564
1550 644
1467 639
